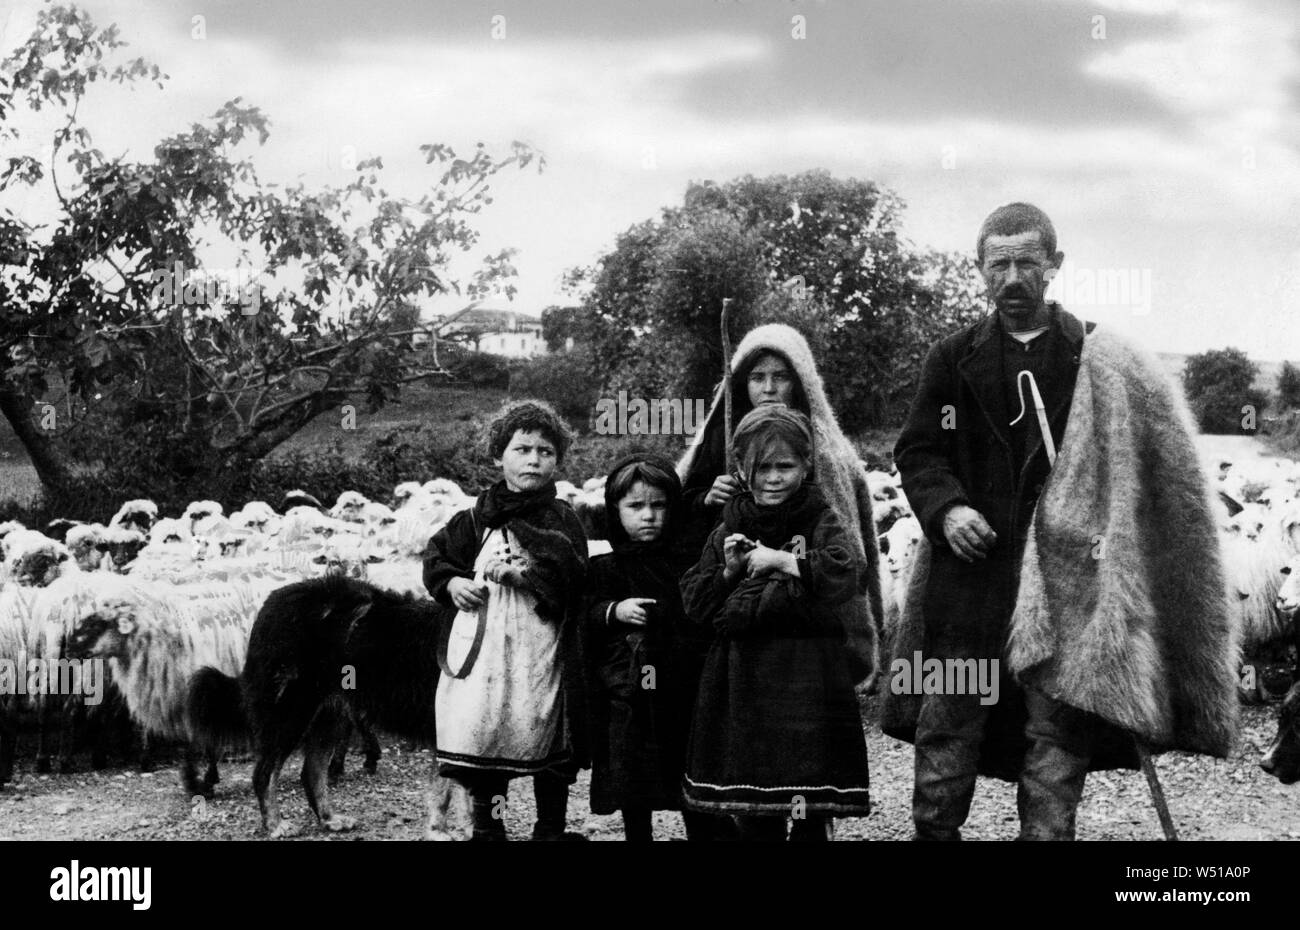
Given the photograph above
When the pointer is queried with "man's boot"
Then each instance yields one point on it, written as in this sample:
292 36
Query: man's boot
1056 765
948 734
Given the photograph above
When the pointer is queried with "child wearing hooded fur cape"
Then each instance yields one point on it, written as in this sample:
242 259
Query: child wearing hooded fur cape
773 364
642 653
776 731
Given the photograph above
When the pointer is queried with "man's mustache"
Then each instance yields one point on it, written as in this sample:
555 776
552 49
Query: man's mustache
1015 293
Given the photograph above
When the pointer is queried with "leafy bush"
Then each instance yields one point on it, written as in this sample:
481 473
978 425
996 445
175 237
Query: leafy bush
1219 386
563 381
479 369
1288 387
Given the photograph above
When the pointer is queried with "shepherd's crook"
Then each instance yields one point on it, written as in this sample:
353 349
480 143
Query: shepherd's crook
726 383
1144 757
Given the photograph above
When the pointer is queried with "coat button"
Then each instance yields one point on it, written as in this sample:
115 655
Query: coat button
1038 489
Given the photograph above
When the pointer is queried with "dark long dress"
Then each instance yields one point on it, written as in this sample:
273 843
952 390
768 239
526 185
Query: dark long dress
642 680
642 685
776 726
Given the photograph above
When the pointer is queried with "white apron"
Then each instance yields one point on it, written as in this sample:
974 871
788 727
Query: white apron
507 713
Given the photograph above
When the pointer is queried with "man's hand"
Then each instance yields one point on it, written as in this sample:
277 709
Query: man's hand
969 535
467 595
632 610
725 487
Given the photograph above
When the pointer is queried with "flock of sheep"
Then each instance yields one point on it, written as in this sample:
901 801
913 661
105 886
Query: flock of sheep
158 599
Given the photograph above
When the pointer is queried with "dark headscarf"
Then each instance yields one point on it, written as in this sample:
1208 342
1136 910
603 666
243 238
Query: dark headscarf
617 536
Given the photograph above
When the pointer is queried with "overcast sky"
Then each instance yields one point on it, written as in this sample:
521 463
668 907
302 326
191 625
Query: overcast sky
1162 136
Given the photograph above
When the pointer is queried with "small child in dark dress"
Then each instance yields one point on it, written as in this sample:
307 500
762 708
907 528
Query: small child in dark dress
643 657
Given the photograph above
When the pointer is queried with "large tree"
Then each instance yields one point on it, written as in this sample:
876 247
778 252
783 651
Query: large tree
102 338
821 253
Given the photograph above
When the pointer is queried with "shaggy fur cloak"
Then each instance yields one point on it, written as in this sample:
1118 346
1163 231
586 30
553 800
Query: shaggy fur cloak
1121 609
836 469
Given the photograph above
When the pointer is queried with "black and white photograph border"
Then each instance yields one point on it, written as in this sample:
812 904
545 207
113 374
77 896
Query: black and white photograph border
275 278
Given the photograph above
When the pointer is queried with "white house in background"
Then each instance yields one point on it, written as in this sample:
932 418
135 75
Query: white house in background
501 332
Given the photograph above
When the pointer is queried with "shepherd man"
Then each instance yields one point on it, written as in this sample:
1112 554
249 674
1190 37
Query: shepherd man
1069 549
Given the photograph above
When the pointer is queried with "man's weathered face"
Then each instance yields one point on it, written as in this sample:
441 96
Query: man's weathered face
1015 272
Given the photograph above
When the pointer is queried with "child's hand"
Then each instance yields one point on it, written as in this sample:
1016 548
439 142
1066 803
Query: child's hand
467 595
766 561
508 571
633 610
736 549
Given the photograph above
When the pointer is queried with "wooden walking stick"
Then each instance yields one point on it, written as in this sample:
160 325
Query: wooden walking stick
726 384
1144 757
1157 792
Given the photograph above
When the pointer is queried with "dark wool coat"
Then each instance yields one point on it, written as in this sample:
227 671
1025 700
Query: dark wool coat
451 554
776 721
638 733
965 608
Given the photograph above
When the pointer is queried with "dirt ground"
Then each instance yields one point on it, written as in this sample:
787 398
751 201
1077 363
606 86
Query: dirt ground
1210 799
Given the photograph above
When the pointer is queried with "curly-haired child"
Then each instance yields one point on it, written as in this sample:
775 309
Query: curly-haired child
510 700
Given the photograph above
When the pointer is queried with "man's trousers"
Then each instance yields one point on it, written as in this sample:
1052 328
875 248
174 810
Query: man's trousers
949 732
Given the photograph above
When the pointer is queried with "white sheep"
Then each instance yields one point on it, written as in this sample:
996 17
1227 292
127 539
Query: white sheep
33 559
349 507
124 545
87 545
404 492
444 486
884 486
139 514
898 548
1288 596
1254 575
199 510
256 516
169 530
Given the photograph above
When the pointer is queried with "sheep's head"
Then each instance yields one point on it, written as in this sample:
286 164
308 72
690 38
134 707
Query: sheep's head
198 510
350 506
169 530
35 560
138 515
403 492
8 527
123 547
103 633
900 543
1288 596
1248 523
87 545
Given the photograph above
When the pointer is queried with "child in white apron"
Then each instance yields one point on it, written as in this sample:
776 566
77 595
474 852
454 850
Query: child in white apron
510 700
